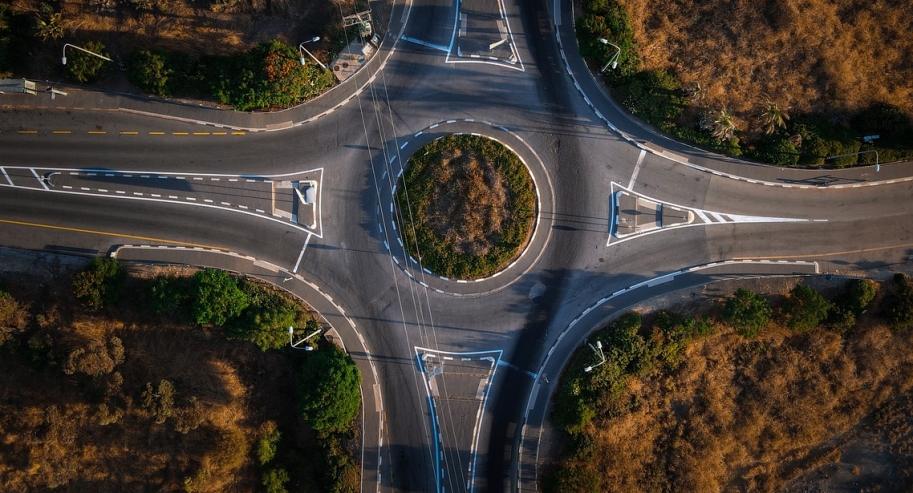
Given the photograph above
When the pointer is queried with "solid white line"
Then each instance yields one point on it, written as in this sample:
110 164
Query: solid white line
7 177
300 255
640 160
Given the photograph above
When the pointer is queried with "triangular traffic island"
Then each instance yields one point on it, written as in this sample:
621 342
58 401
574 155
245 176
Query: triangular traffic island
635 214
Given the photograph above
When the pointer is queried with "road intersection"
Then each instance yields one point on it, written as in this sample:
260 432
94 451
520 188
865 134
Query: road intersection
433 424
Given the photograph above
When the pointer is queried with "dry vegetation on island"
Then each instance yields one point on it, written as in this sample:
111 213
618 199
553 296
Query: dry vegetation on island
693 402
825 56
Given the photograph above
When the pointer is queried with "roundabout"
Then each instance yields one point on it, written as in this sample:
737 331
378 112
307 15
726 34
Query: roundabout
505 265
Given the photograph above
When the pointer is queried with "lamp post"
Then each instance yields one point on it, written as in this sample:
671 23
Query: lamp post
63 59
612 61
302 48
598 351
291 335
877 166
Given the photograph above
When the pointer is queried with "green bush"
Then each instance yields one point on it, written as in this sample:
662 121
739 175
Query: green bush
821 138
747 312
268 442
899 306
269 76
171 295
274 480
151 72
85 68
216 297
100 283
330 389
655 96
267 328
860 292
614 26
776 149
805 309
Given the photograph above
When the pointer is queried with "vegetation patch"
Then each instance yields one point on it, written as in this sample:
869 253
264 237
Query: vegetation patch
181 381
813 399
761 80
466 205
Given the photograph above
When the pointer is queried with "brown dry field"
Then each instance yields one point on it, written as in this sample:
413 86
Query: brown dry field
50 433
189 26
808 413
830 56
469 204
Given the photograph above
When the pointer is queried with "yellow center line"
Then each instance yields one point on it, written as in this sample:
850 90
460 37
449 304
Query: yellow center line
97 132
201 133
105 233
238 133
29 132
220 133
832 254
156 133
61 132
179 133
128 133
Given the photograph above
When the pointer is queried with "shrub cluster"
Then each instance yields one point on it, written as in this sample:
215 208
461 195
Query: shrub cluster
268 76
100 282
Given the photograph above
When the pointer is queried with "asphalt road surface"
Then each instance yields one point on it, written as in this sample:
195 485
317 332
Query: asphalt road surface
458 374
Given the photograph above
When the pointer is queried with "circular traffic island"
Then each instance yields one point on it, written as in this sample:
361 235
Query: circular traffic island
466 205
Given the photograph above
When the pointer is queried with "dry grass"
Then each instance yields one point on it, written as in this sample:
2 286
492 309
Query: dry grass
469 203
190 26
832 56
800 412
51 432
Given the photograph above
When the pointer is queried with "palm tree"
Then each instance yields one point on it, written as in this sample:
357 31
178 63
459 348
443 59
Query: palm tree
772 117
723 126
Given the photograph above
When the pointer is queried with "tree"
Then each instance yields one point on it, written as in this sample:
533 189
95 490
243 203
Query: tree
216 297
747 312
96 359
100 283
265 327
329 384
860 292
150 71
274 480
85 68
724 127
268 442
159 402
50 29
771 117
805 309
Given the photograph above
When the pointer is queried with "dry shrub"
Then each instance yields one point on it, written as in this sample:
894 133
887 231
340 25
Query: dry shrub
834 56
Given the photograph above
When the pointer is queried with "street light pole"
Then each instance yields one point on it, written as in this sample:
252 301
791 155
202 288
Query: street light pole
598 351
291 334
877 166
63 59
302 48
612 61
